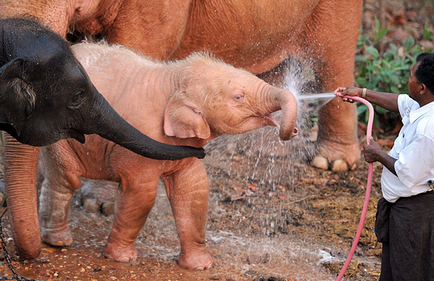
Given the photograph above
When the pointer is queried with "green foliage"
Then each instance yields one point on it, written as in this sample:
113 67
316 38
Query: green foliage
384 66
426 33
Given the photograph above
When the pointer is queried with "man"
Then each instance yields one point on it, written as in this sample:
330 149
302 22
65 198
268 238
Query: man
405 214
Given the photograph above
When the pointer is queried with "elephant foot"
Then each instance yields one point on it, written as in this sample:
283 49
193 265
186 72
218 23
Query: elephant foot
199 260
98 196
57 237
92 205
336 157
120 254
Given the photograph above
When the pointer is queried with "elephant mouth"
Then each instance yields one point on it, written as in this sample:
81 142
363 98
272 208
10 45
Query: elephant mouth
76 135
269 120
272 122
10 129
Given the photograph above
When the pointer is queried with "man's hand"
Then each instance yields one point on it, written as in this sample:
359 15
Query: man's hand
372 151
348 91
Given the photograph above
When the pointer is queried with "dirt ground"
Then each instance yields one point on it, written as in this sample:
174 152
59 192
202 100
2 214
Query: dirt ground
271 216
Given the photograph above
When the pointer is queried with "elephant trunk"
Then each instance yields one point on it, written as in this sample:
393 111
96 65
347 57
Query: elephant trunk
280 99
22 198
107 123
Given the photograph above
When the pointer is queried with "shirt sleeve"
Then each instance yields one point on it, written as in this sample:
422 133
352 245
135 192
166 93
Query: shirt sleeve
406 104
416 161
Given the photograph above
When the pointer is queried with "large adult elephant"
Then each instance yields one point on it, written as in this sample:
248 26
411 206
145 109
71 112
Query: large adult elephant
257 36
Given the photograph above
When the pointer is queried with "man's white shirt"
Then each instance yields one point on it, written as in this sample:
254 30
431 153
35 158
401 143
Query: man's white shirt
414 151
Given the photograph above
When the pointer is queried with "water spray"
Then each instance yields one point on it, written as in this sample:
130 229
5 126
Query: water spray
329 95
368 187
370 170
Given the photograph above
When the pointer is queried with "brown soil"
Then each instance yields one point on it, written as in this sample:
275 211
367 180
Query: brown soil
271 216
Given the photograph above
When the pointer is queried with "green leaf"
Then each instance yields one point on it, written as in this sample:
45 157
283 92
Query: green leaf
402 67
362 58
377 24
385 78
385 64
388 72
395 81
393 49
366 116
408 43
426 33
361 81
372 51
380 34
381 110
361 109
395 90
376 122
374 82
373 68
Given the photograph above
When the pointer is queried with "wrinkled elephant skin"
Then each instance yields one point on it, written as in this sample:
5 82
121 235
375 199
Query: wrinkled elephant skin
188 102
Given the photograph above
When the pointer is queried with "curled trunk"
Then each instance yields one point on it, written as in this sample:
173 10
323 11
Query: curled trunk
280 99
288 104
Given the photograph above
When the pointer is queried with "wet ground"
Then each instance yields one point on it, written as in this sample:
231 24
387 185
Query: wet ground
271 217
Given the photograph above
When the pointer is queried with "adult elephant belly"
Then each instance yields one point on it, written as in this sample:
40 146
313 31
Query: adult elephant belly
254 37
260 37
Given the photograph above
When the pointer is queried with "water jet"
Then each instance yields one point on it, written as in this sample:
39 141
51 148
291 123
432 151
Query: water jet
329 95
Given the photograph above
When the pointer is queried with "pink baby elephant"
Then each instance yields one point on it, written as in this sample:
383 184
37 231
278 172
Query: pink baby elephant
187 102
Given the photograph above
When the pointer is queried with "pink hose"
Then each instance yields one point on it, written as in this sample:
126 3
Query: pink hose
368 187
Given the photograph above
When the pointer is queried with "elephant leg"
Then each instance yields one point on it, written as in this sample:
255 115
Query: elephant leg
21 163
55 201
333 48
187 190
132 210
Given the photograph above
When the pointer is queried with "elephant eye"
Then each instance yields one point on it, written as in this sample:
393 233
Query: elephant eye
239 97
76 100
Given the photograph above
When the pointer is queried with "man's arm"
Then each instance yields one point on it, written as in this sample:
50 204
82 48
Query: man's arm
373 153
387 101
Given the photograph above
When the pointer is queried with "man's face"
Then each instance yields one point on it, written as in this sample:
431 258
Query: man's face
413 85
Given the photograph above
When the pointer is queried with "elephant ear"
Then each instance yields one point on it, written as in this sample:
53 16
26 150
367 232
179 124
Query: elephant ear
184 120
11 70
16 96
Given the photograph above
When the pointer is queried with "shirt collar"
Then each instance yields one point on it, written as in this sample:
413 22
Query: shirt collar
428 108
